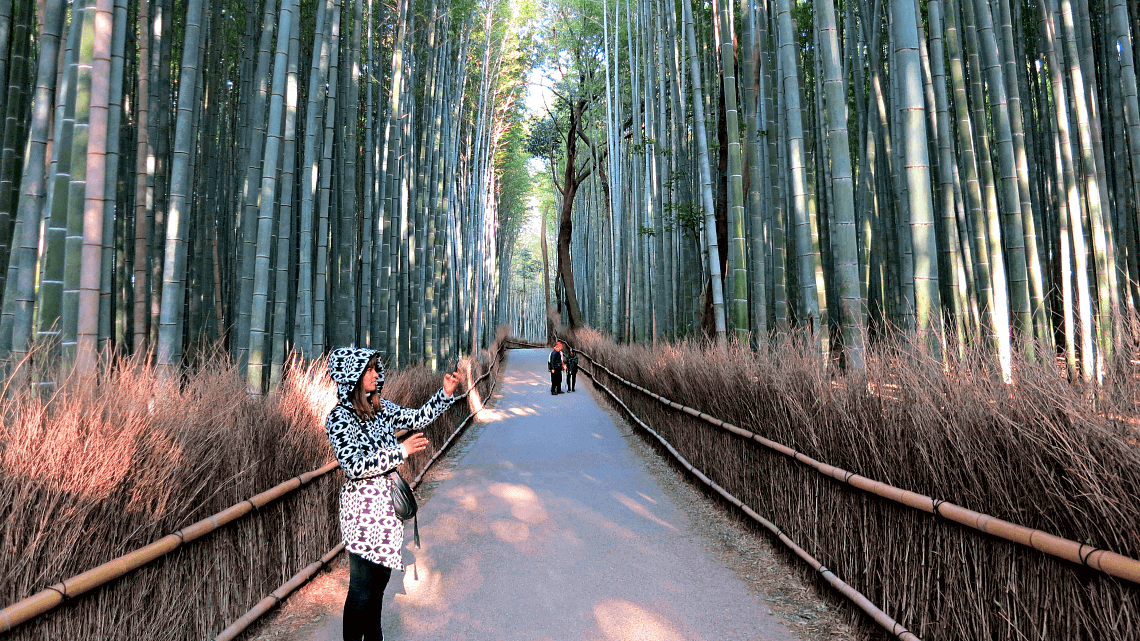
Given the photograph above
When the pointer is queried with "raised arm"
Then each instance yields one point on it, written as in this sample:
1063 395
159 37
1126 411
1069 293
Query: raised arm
415 419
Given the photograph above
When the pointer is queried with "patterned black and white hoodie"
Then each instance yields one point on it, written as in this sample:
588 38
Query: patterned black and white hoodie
367 452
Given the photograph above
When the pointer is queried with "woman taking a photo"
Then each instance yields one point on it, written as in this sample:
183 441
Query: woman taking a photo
361 429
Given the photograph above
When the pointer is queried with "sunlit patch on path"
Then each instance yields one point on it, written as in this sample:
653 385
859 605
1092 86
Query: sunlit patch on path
622 620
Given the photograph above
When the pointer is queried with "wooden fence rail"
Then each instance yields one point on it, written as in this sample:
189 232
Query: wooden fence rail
51 597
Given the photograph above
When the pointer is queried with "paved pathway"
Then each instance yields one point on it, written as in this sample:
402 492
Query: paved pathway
549 527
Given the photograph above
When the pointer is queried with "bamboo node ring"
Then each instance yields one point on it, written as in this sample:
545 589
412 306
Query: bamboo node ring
1085 557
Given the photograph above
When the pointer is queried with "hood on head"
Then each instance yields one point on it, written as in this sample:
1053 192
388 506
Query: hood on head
346 364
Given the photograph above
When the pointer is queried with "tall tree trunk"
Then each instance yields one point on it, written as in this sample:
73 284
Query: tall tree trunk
251 187
142 153
927 305
1038 331
321 341
759 189
797 164
739 249
573 177
1072 217
314 112
344 305
284 294
108 336
74 216
1013 233
1121 36
947 161
50 300
1105 293
90 285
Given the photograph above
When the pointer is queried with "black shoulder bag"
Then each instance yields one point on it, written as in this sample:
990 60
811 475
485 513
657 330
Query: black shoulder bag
404 503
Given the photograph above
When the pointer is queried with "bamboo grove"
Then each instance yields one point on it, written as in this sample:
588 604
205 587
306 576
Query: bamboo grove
961 170
276 175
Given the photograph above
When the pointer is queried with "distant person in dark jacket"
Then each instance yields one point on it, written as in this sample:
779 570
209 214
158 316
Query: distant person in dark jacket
554 364
571 361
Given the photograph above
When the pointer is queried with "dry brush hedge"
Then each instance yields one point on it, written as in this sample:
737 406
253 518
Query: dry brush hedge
1040 454
93 472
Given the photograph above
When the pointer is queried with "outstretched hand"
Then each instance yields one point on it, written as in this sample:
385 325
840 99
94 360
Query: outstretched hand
451 382
416 443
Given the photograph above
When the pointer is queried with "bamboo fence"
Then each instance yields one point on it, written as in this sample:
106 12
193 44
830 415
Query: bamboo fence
53 596
938 575
164 550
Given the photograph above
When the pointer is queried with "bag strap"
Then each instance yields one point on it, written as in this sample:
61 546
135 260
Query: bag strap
415 517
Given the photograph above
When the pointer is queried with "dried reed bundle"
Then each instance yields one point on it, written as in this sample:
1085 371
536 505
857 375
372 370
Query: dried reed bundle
1043 453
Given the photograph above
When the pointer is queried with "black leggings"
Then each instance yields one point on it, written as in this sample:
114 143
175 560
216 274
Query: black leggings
366 583
571 379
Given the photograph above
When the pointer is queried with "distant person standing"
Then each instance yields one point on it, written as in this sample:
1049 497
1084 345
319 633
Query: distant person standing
554 364
571 368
